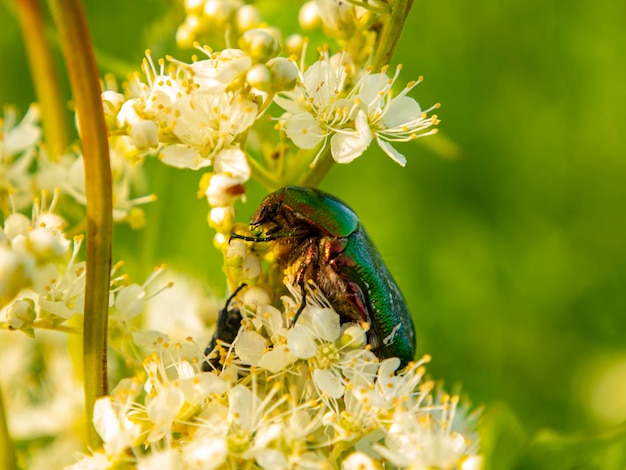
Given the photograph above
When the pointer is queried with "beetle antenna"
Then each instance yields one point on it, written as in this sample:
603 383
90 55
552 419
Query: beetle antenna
270 237
232 296
253 239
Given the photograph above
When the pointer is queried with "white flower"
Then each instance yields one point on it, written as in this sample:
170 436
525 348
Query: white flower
291 397
182 308
127 175
21 314
97 461
316 337
320 108
206 124
359 461
168 459
223 190
113 424
62 293
217 72
205 452
18 148
314 108
130 299
418 444
250 347
392 119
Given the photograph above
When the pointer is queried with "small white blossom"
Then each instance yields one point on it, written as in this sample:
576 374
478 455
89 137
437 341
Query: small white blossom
18 149
62 292
321 109
392 119
359 461
21 314
168 459
112 423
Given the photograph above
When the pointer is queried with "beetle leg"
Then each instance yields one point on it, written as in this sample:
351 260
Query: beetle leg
306 260
302 304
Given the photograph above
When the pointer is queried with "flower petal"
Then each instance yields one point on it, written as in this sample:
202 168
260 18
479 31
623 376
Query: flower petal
250 347
183 156
304 130
392 152
401 111
300 342
328 382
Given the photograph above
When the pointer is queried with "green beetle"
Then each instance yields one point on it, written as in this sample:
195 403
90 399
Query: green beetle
320 238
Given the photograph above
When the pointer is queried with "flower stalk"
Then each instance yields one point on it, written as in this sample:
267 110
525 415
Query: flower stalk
45 77
7 452
78 53
390 35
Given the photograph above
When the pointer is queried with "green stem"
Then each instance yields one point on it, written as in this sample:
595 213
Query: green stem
75 42
324 163
262 175
7 452
390 34
45 77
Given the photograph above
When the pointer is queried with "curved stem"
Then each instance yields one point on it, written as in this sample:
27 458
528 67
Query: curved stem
75 41
390 34
7 452
262 175
45 77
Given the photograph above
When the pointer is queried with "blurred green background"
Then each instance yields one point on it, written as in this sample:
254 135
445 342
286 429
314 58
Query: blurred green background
511 252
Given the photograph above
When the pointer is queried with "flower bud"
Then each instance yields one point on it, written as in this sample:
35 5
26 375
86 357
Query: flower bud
193 5
16 224
294 44
47 244
112 103
259 44
259 77
284 74
338 18
145 134
21 314
219 12
221 218
251 269
187 32
220 241
309 16
354 336
247 17
236 252
255 296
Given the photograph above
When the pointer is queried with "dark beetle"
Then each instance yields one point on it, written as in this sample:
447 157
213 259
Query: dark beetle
228 323
320 238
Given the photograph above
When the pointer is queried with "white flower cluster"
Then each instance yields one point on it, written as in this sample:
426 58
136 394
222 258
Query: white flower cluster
189 112
198 115
18 149
42 280
310 396
29 250
26 169
323 107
